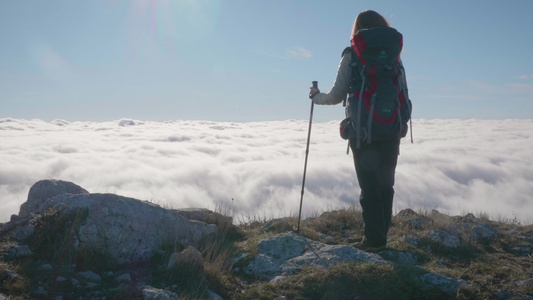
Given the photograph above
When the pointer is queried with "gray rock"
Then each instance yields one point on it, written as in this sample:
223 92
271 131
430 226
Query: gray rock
125 229
23 230
419 223
75 282
126 277
44 190
444 283
46 267
151 293
190 256
470 218
213 296
441 264
520 250
455 231
326 238
325 256
505 295
288 253
403 258
407 213
466 227
41 291
89 276
348 234
411 240
443 238
284 246
20 251
61 279
484 233
273 252
278 279
528 283
14 218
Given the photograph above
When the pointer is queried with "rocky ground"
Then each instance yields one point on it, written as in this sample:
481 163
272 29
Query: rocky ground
67 243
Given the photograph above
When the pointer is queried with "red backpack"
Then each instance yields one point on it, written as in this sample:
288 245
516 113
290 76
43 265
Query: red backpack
378 107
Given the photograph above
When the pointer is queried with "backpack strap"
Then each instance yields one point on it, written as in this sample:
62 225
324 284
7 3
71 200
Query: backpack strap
354 71
359 104
403 86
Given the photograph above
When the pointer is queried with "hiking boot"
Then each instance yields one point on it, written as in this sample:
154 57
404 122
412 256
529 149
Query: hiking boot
365 245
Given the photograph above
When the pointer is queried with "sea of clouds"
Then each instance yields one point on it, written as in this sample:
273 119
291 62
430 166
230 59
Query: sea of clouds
254 170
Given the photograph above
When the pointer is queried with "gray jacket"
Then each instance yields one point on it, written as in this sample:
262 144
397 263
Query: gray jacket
339 91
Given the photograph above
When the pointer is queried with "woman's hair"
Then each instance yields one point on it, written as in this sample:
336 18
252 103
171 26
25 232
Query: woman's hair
368 19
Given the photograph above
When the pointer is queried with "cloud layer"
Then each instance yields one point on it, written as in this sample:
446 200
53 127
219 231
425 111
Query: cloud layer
255 169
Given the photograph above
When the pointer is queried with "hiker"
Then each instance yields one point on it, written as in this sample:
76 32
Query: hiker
375 146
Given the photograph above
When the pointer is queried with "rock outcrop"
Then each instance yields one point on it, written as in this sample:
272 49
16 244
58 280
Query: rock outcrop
446 284
126 229
288 253
43 190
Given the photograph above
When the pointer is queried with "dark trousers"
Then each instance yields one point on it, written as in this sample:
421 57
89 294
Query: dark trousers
375 165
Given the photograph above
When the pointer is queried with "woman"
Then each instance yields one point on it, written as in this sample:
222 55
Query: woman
375 162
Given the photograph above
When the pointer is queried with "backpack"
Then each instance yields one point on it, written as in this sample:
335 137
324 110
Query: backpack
378 107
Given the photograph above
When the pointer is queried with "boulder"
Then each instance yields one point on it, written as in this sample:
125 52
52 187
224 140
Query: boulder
44 190
151 293
189 256
20 251
505 295
407 213
273 252
443 238
419 223
444 283
126 277
484 233
399 257
126 229
89 276
289 253
213 296
325 256
411 240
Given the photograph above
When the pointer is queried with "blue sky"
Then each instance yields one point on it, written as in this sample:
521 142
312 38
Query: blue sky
245 60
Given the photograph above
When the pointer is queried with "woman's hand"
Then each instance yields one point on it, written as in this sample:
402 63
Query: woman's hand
313 92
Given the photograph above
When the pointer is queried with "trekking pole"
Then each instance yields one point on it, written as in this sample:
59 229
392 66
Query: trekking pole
315 85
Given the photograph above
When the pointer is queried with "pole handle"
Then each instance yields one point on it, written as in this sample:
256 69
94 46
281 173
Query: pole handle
315 84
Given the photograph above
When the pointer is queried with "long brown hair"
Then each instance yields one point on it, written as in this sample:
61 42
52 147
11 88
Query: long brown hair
368 19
